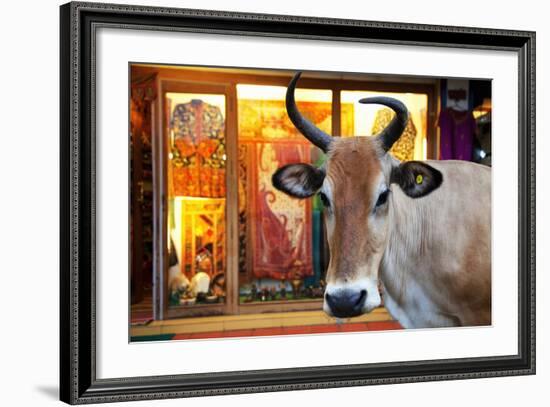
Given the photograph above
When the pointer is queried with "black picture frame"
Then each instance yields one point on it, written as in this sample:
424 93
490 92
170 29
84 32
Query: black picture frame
78 382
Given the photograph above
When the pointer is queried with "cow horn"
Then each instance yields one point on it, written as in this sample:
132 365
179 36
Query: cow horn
312 133
393 131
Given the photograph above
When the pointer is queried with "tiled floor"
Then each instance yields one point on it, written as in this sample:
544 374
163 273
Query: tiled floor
289 323
294 330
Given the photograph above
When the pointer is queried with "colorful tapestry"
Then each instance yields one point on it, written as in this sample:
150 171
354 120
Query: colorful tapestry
347 119
198 152
264 120
403 148
281 227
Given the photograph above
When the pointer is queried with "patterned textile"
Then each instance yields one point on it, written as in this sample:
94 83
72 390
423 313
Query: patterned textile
347 119
281 226
198 153
275 231
402 149
264 120
201 227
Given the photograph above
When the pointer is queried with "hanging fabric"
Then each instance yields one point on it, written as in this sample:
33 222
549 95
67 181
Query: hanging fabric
281 226
457 134
403 148
198 153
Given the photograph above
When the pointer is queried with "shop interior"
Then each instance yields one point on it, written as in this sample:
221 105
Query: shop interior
209 234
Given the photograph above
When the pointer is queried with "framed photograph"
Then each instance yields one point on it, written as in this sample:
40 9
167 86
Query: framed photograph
255 203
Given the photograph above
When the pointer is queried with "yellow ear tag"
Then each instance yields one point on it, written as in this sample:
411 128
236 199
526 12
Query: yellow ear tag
419 179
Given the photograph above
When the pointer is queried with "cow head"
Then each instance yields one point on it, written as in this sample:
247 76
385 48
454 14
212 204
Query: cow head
355 186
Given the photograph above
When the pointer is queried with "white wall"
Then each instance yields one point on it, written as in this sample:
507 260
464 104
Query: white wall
29 207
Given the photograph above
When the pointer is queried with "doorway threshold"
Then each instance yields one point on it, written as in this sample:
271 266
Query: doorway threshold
282 323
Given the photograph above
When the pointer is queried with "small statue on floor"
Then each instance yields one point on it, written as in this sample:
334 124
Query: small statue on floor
282 290
265 294
308 291
273 294
218 285
317 292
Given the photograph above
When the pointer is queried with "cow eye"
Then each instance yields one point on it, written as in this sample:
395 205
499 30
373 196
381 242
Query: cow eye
382 198
324 199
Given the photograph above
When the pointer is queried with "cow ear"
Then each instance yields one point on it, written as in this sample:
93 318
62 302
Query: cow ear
298 180
416 178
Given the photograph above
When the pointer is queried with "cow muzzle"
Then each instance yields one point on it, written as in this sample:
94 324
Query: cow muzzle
345 302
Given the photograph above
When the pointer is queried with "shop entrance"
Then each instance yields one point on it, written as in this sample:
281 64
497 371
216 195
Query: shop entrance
224 241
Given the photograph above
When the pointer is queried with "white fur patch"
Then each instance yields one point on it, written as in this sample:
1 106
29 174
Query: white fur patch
295 183
299 180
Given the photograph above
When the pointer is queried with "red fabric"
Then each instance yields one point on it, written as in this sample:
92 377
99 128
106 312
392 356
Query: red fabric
281 226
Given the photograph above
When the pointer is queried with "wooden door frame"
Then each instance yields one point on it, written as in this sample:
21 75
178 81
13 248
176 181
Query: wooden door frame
136 187
171 85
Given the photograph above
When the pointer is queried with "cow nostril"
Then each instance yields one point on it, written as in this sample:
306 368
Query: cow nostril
361 298
329 299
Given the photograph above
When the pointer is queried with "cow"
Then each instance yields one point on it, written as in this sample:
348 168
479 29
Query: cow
415 236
